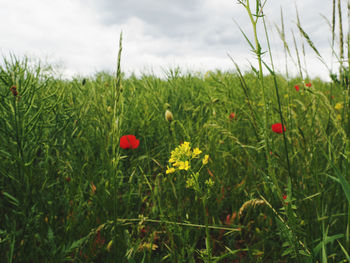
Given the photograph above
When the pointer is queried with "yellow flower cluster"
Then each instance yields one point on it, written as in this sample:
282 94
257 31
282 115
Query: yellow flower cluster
181 157
338 106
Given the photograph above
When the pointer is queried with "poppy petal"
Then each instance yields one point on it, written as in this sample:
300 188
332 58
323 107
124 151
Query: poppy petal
277 128
134 143
124 143
129 142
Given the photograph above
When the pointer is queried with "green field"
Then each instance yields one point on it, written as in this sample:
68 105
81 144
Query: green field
216 179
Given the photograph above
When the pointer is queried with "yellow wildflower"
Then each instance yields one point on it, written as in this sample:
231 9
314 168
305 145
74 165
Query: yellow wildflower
181 152
185 148
170 170
196 152
338 106
205 159
184 165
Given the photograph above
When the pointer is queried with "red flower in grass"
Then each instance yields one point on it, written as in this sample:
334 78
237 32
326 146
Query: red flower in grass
284 197
297 88
308 85
277 128
232 116
129 142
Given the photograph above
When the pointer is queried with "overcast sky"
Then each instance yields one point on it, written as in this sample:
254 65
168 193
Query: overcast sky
81 36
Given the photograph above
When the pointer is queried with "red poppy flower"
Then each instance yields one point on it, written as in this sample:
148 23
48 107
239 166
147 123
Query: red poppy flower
297 88
129 142
284 197
277 128
232 116
308 84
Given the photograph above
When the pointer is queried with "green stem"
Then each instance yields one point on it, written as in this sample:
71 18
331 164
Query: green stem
207 234
116 132
261 77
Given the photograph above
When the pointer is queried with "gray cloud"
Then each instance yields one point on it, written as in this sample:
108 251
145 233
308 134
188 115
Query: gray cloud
157 33
172 18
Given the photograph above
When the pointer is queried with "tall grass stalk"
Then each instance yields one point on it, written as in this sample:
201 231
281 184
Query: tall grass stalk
291 178
302 43
272 71
254 18
116 124
285 45
298 56
341 39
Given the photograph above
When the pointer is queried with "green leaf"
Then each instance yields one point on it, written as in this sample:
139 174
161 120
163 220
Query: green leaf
326 241
344 250
246 37
11 199
343 182
77 243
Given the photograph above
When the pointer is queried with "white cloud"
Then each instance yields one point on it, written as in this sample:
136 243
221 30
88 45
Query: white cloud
84 35
58 30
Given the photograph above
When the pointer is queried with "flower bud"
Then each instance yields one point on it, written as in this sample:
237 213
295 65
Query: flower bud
169 116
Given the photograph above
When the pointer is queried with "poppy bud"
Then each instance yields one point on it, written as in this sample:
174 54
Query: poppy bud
14 91
232 116
92 188
169 116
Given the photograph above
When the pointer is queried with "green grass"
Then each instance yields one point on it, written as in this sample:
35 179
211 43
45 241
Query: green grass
69 193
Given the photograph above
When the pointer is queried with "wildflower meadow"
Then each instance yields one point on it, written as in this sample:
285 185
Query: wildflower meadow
226 166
